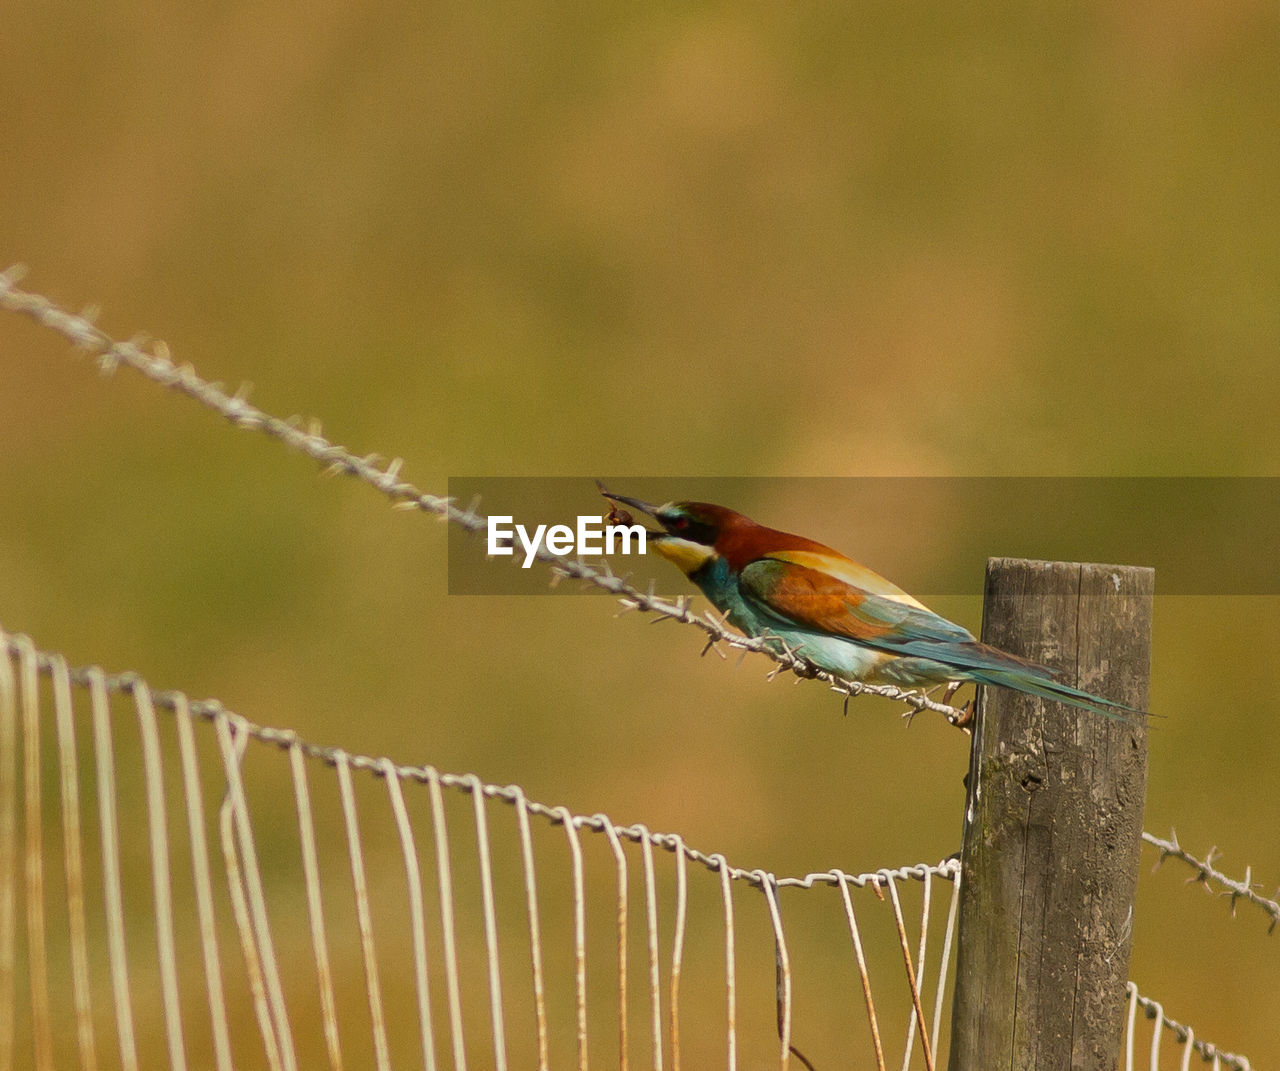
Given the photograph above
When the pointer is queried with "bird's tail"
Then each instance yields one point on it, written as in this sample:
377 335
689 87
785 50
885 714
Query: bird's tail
1026 679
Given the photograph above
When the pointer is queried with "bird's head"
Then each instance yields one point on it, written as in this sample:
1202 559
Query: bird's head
690 530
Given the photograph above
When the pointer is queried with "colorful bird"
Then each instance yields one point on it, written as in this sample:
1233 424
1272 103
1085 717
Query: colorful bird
834 613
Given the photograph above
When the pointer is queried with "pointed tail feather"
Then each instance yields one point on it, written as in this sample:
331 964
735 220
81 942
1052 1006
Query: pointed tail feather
984 664
1022 680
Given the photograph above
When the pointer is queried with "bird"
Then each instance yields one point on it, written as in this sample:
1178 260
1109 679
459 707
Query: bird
834 613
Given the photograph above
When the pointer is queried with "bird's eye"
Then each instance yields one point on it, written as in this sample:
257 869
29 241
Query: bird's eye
680 523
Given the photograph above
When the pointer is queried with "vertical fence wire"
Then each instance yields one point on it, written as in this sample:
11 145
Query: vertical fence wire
677 947
620 864
768 886
490 924
364 916
111 886
8 856
417 913
258 933
651 920
444 877
535 929
37 956
315 904
945 961
1156 1031
911 975
73 860
160 873
203 886
916 973
856 936
579 936
244 925
730 966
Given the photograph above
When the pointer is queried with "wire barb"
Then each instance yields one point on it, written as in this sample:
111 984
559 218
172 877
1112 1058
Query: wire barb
1206 875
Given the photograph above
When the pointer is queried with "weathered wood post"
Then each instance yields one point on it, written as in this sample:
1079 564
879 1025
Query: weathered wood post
1053 825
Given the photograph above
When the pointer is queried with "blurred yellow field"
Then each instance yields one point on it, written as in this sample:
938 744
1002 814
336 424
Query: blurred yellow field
673 243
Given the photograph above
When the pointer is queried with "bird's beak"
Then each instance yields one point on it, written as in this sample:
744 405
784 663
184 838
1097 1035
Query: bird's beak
634 503
687 555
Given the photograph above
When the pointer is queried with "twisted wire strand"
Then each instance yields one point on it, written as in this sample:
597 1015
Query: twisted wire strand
1205 872
1185 1035
151 358
211 710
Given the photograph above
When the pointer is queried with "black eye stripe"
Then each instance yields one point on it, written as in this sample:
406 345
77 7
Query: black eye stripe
690 528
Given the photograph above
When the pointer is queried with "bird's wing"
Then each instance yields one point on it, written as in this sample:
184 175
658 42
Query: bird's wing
874 612
827 599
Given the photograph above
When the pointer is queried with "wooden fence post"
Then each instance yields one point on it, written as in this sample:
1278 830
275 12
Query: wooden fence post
1053 825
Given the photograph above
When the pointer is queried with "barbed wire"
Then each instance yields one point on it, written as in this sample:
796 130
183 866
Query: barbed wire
1206 873
151 358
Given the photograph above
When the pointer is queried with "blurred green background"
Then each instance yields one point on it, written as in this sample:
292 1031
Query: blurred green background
721 241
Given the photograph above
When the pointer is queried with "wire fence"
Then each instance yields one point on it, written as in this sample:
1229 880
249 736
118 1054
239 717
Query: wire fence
266 931
152 740
114 917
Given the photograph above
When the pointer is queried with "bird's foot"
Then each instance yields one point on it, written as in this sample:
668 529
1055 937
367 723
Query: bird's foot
964 719
794 657
805 669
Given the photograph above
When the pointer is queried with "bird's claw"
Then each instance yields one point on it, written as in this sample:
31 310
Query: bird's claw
803 668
